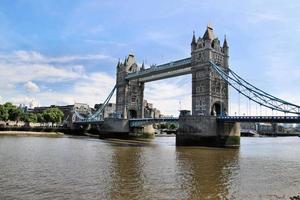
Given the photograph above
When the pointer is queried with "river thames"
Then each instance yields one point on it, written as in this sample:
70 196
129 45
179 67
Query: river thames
83 168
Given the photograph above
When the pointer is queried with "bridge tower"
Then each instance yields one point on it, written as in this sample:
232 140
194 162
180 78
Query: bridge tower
209 91
209 97
130 94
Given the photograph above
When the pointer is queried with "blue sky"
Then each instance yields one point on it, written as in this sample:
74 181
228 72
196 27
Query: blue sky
65 51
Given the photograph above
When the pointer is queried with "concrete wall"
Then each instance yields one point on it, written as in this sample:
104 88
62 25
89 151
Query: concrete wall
112 125
145 131
206 131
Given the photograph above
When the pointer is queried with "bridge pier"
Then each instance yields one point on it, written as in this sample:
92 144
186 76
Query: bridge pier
144 131
207 131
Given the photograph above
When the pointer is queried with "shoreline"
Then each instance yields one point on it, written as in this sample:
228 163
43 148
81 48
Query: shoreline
31 133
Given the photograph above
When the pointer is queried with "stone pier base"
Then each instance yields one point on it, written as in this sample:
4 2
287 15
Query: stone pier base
206 131
145 131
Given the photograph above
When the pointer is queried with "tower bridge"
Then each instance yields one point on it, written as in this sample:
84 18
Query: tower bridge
209 123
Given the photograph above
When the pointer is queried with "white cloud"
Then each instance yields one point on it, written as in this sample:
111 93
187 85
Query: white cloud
22 99
91 89
31 87
170 95
22 56
25 68
18 73
29 56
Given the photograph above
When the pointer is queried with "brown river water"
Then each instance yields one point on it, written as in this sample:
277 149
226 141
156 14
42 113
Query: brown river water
83 168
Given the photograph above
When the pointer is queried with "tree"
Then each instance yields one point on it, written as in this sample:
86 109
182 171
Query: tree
40 118
9 107
3 113
53 115
30 118
172 126
14 113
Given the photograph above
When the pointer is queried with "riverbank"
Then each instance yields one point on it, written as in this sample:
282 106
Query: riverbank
31 133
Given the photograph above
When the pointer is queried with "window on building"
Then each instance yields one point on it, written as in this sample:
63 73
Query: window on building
133 99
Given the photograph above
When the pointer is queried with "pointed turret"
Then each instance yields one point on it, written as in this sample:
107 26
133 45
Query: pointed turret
143 66
119 63
225 46
225 42
125 61
194 43
209 33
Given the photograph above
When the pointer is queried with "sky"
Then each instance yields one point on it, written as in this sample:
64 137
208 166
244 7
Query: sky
66 51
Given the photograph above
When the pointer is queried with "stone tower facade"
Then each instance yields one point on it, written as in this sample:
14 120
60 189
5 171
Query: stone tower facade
130 94
209 91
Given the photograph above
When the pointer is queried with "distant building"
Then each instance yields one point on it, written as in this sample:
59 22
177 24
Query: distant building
267 128
108 111
263 128
248 126
68 110
150 112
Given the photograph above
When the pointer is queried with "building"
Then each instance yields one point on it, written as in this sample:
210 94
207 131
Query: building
130 95
68 110
150 112
267 128
108 111
248 126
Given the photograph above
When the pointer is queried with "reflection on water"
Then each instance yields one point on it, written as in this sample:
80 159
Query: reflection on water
82 168
211 172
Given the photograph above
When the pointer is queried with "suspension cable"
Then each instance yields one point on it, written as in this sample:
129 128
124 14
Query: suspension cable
255 94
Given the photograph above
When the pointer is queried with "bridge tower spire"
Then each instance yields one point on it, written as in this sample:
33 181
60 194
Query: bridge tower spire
209 91
209 97
130 94
193 43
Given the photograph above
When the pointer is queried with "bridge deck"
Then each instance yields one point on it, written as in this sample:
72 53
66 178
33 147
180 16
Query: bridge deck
266 119
171 69
144 121
88 122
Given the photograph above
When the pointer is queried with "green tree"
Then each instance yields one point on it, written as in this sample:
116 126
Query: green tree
40 118
3 113
14 113
163 126
172 126
30 118
10 108
53 115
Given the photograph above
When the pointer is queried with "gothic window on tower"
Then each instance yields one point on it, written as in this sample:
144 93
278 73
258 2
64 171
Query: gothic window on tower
224 91
120 99
201 56
134 89
199 74
202 88
133 99
198 104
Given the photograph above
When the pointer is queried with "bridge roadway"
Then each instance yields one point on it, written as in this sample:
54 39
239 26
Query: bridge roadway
266 119
168 70
142 121
136 122
262 119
